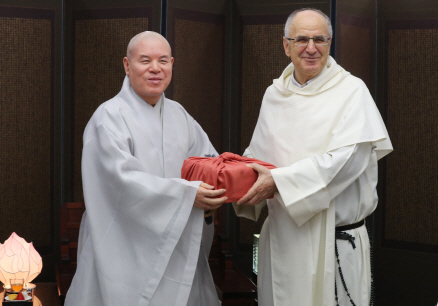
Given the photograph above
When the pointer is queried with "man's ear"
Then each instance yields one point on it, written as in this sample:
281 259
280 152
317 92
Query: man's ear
286 46
330 43
126 65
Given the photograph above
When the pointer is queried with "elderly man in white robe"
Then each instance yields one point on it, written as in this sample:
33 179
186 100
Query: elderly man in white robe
320 126
143 238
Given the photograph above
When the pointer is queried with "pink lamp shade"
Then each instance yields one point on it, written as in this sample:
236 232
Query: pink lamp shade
19 259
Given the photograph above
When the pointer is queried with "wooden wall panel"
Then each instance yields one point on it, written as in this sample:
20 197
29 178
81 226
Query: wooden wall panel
198 43
26 99
411 210
355 47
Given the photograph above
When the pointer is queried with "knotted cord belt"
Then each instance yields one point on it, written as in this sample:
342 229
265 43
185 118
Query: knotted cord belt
342 235
208 215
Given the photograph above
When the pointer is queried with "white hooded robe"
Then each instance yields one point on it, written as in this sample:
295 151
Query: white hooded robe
325 139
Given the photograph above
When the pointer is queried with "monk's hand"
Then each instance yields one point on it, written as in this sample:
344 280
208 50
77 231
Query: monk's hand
262 189
207 197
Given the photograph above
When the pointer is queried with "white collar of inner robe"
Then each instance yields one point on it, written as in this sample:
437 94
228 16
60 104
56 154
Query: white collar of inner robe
294 81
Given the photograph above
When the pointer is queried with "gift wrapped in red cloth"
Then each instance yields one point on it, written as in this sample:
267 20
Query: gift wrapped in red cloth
228 171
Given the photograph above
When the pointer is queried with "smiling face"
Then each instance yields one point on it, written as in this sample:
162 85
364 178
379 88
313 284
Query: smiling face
309 60
149 66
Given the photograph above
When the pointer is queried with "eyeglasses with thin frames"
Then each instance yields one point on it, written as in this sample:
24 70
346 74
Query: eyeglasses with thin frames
301 41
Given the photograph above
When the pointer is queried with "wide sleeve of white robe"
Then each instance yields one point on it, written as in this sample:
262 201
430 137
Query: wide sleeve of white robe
249 212
308 186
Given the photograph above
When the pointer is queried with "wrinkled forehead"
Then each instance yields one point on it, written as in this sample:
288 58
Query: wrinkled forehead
308 23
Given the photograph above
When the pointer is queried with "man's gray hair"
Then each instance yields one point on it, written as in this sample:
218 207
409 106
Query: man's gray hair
291 16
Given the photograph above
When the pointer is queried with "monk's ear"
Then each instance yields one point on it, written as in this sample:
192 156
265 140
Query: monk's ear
126 65
286 46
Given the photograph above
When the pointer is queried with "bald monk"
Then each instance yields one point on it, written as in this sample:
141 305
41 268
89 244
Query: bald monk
143 238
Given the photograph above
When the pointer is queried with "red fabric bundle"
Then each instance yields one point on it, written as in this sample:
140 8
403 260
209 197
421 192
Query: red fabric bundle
228 171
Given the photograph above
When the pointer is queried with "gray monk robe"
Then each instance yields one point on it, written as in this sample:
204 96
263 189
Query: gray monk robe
142 242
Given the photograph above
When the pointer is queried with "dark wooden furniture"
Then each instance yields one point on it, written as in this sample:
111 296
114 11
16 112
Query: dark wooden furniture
70 215
233 287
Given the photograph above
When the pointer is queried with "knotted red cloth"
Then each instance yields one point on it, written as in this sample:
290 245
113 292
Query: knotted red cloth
228 171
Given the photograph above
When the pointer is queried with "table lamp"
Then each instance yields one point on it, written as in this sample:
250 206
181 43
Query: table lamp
19 259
